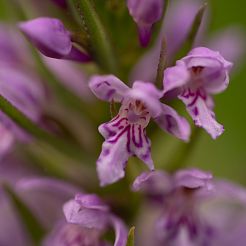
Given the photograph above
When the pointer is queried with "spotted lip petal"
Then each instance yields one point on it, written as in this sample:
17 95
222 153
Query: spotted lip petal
122 141
108 88
197 105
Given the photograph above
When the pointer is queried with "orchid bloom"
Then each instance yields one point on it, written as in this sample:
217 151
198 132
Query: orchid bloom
145 13
52 39
192 208
88 217
194 78
125 134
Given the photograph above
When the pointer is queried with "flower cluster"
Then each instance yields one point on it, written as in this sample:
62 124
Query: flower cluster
49 114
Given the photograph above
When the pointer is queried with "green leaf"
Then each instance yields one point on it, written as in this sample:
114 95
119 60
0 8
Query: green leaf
187 45
33 226
131 234
101 46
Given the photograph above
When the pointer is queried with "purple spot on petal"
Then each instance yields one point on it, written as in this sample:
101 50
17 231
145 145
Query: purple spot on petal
110 93
195 111
105 152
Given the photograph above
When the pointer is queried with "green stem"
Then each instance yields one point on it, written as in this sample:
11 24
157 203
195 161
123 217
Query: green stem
184 152
101 46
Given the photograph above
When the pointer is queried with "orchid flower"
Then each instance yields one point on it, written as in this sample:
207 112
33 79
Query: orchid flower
197 76
88 218
125 134
192 208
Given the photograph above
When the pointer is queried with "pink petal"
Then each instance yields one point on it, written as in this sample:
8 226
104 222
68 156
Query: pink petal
108 88
174 124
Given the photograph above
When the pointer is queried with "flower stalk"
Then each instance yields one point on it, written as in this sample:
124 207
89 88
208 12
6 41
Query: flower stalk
101 45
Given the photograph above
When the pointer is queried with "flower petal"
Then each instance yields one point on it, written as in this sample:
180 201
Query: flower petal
108 88
91 201
145 13
148 94
77 55
215 68
114 156
23 90
174 124
7 140
198 108
155 182
12 232
49 35
175 77
193 179
90 218
141 145
121 232
65 234
122 141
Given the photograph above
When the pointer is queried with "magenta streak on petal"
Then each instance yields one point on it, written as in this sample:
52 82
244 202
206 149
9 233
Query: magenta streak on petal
128 140
169 123
197 95
140 143
110 132
119 122
103 82
188 94
147 154
195 111
110 93
120 134
114 119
